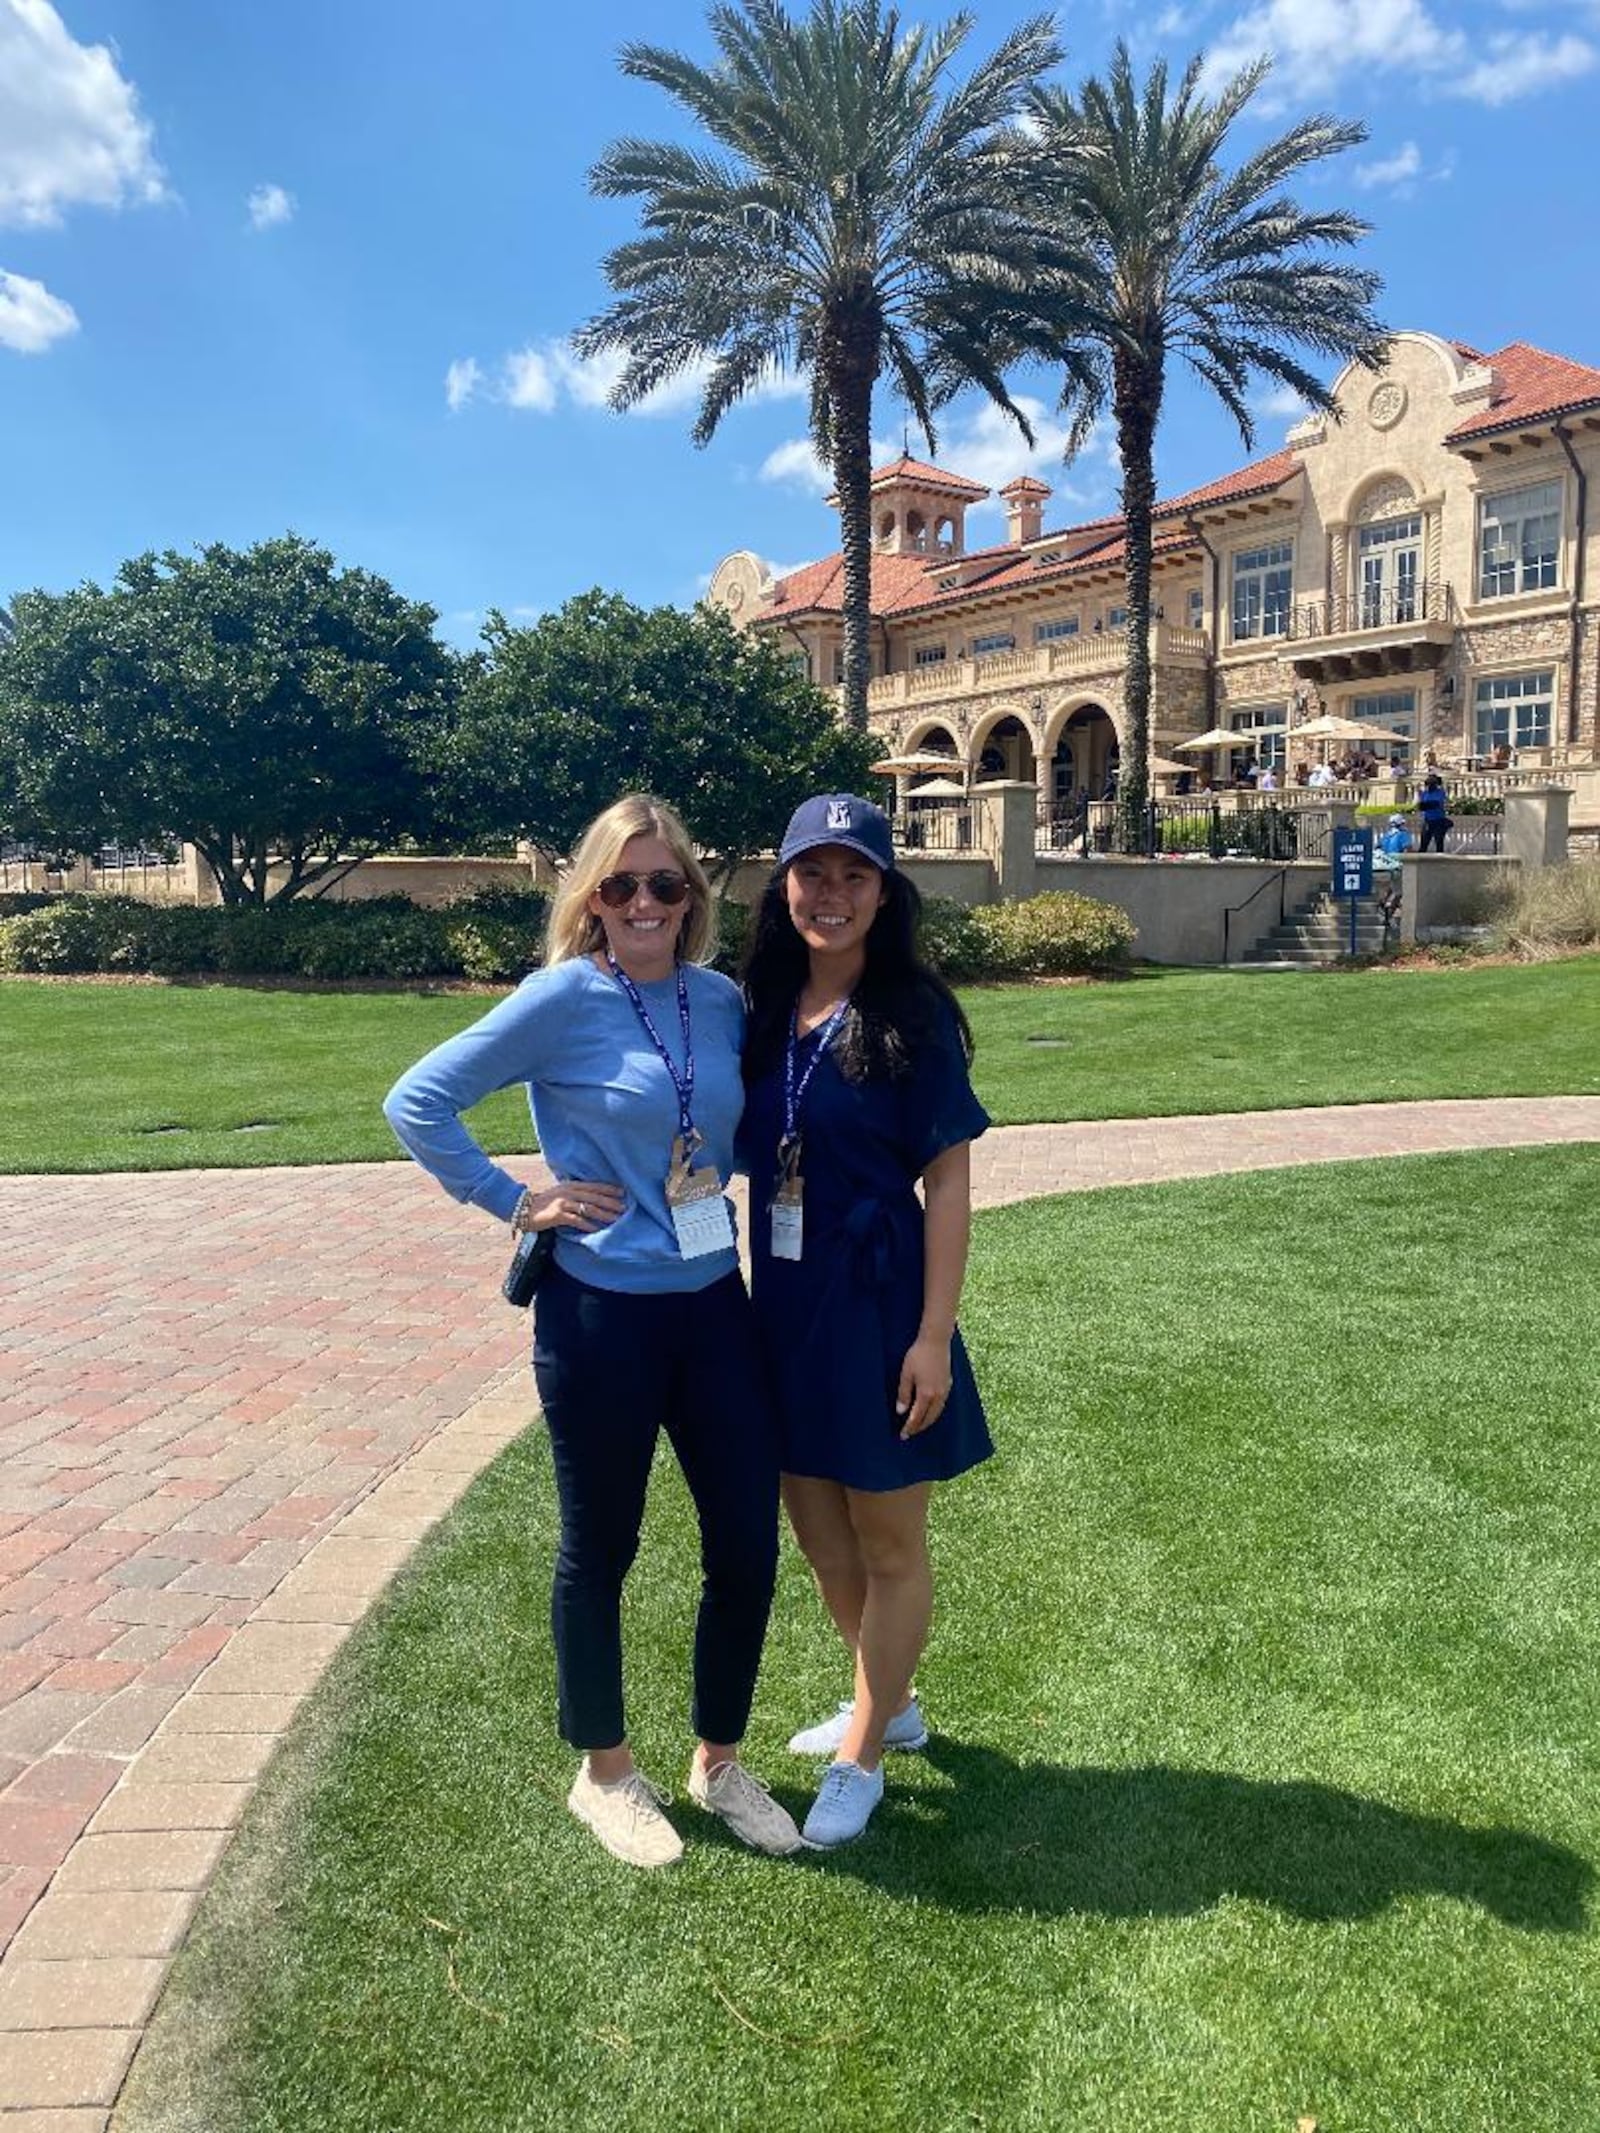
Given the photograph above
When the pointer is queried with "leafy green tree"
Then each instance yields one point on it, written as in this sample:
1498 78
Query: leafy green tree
1169 254
851 217
602 698
262 704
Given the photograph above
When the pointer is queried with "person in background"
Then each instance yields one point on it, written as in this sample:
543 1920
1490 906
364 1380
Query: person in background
1433 807
1266 779
1302 772
1396 838
857 1075
1324 775
630 1049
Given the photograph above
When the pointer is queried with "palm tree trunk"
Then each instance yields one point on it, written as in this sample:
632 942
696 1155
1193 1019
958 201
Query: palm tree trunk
1138 385
849 358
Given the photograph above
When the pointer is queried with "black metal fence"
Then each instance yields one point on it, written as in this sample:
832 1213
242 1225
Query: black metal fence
1186 828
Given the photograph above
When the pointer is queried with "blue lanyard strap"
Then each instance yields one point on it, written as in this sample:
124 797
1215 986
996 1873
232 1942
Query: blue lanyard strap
794 1092
683 1084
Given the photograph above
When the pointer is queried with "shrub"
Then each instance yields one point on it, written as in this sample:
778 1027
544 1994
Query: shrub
1055 935
734 922
1546 912
951 940
497 931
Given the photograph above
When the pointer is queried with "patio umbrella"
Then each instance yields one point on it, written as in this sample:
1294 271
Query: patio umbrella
938 789
1229 737
896 766
1329 728
1162 766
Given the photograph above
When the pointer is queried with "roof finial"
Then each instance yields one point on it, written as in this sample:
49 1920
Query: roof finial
905 440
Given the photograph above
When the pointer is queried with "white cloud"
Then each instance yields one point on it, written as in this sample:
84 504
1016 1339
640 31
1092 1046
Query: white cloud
547 374
269 205
1521 66
30 317
71 133
461 382
1315 43
797 463
528 380
1387 171
1278 403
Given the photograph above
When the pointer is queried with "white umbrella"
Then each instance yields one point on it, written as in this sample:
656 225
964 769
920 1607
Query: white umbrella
938 789
1329 728
1162 766
1229 737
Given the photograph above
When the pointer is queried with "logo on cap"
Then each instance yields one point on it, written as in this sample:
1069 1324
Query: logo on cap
838 814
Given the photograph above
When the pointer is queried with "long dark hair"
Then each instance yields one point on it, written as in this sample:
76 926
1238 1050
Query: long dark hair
898 1003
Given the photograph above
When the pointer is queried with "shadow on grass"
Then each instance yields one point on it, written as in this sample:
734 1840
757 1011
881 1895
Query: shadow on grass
1158 1842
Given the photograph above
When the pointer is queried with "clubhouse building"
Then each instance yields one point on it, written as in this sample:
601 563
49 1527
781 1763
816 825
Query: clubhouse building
1429 564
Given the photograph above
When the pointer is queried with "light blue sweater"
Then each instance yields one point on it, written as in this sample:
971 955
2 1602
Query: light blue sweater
603 1107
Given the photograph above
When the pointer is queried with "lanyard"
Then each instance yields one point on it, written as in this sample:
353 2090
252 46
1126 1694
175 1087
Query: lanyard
682 1083
794 1095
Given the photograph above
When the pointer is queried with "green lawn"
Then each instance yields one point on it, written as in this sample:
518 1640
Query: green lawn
1266 1777
134 1077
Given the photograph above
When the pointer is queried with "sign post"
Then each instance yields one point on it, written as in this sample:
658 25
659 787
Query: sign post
1352 870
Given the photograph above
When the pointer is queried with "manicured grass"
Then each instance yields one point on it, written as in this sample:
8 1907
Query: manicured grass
1265 1780
119 1077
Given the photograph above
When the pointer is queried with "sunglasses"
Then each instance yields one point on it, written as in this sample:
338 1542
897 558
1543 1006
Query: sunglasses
619 889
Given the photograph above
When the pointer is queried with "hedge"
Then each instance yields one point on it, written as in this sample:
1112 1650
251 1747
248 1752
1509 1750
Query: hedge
494 934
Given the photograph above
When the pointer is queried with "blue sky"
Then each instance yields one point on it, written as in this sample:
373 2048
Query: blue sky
311 265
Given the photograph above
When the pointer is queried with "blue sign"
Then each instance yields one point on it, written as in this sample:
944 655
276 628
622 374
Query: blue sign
1352 862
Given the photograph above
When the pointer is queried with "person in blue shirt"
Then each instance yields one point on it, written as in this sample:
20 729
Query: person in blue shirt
630 1050
856 1068
1433 805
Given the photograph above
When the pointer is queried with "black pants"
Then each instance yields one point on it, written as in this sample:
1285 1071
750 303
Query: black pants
1433 829
613 1371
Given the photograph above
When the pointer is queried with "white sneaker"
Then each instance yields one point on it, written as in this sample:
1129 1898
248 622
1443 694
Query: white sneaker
627 1818
746 1805
907 1731
843 1807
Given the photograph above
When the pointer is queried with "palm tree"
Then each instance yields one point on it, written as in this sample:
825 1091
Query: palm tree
850 217
1175 256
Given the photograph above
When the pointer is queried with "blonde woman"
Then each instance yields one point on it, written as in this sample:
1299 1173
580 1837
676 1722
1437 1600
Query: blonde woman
629 1047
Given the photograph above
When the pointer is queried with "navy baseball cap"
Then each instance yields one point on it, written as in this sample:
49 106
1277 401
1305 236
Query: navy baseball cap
839 818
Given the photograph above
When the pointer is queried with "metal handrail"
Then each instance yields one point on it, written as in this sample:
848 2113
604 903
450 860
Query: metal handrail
1282 876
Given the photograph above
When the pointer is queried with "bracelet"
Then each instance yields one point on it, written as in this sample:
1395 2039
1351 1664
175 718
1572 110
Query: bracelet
521 1214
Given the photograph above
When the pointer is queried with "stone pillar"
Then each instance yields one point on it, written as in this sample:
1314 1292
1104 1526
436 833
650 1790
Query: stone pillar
1536 825
199 883
1007 813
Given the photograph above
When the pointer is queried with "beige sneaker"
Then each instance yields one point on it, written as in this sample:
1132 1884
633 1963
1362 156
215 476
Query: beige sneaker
627 1818
746 1805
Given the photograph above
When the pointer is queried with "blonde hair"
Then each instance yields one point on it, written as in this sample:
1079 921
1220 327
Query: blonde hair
574 929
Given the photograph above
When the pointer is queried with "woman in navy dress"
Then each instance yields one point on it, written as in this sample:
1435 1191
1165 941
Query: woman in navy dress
857 1087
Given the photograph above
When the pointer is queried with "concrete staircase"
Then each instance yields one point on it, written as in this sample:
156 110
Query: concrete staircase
1318 932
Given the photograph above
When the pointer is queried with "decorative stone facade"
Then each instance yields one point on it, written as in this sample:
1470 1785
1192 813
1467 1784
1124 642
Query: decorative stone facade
1417 564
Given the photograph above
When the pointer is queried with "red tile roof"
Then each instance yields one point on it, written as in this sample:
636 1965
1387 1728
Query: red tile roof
1253 480
903 583
1026 485
1531 386
905 468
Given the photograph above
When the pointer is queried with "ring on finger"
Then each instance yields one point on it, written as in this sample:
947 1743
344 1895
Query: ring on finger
583 1210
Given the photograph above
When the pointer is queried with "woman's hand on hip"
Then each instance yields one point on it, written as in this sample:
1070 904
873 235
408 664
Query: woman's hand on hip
581 1204
924 1384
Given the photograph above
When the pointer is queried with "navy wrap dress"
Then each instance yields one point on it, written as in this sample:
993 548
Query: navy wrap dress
836 1323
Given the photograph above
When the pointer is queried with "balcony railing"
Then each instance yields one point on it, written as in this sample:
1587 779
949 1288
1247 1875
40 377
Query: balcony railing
1095 652
1373 608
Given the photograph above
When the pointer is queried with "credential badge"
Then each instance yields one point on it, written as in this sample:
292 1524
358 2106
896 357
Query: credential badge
838 814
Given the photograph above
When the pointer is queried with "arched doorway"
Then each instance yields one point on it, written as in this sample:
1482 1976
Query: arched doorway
1083 764
1004 750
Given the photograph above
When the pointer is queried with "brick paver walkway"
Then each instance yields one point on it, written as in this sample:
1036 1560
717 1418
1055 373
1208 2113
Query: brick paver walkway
230 1403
